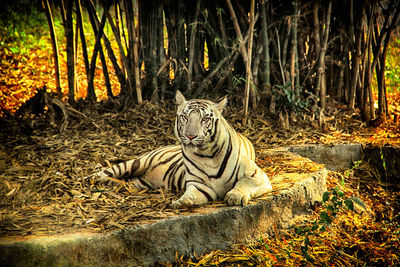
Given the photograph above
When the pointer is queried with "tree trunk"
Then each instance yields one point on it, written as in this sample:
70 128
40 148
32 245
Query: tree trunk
321 78
76 44
192 47
317 43
161 53
94 21
367 100
154 33
347 77
54 44
237 30
129 60
233 57
278 52
221 26
285 43
266 86
294 62
382 105
69 34
82 35
380 55
135 37
123 56
97 46
248 64
355 67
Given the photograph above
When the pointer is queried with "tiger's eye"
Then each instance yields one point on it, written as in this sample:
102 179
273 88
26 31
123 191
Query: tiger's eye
183 118
205 120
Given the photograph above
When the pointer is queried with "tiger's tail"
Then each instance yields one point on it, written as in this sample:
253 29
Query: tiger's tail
130 170
150 171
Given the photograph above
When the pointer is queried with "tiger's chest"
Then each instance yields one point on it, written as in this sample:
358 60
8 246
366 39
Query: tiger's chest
219 172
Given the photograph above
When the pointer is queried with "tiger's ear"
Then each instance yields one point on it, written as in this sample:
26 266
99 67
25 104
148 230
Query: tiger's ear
221 103
179 98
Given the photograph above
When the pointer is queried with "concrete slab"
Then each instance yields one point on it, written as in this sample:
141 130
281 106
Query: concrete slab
337 157
206 229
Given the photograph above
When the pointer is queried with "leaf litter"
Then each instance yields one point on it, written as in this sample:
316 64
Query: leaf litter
43 190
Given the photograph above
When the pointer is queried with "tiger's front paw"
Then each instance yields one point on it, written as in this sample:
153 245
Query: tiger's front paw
235 197
181 203
191 197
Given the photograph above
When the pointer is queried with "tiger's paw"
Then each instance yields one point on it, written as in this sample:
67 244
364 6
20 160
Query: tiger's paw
237 198
181 203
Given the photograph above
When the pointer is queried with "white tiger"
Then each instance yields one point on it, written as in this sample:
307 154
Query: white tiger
213 161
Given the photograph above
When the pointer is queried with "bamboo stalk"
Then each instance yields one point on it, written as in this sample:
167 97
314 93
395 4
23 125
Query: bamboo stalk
154 47
76 40
237 30
256 62
162 57
234 55
82 36
136 59
321 80
278 45
266 86
221 25
380 56
317 42
54 43
366 86
107 82
191 59
69 34
94 21
294 63
207 80
124 58
285 43
248 64
91 95
355 68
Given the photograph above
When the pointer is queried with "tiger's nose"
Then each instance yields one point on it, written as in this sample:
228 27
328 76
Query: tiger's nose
191 137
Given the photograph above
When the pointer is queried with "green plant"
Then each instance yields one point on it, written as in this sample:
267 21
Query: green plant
290 100
238 81
392 72
383 161
22 30
348 172
334 202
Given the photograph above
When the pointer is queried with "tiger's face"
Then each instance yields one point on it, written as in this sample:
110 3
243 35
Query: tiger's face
197 121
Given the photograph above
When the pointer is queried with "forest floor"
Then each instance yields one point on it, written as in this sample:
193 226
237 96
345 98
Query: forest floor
43 190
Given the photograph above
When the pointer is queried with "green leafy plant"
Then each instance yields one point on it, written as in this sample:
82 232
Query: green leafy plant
290 100
19 30
334 202
392 71
348 172
383 161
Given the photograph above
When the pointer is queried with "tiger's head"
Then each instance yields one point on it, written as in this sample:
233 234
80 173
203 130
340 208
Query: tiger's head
197 120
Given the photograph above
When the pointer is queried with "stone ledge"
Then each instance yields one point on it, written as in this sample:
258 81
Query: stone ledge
335 157
207 229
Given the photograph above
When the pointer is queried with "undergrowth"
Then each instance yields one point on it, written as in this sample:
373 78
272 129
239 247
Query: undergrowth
22 27
342 230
